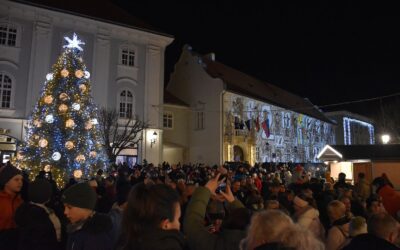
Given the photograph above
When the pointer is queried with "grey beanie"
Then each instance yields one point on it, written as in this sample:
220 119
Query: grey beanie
80 195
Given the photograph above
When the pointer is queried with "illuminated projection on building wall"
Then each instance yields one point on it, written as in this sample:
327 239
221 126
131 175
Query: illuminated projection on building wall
267 133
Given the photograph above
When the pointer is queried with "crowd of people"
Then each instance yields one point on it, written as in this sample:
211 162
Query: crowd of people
198 207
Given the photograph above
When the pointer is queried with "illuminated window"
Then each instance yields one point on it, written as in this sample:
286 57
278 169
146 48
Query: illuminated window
8 35
5 90
125 104
168 120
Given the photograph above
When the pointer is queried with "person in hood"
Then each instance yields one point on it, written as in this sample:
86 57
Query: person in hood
39 227
339 231
307 216
87 230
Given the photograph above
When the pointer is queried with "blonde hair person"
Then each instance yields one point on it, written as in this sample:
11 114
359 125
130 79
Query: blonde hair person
265 227
299 238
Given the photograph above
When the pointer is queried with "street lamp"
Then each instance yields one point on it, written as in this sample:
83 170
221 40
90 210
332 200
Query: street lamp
385 138
153 139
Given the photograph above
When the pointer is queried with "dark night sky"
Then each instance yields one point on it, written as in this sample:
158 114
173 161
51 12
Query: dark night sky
325 51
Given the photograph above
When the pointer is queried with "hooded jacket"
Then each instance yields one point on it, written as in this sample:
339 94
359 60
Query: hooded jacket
310 219
8 206
36 231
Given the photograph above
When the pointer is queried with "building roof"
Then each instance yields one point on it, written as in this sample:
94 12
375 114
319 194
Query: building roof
241 83
345 113
171 99
378 152
101 10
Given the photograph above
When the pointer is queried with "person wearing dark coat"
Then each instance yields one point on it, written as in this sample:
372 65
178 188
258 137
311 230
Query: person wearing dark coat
88 230
383 231
39 227
232 232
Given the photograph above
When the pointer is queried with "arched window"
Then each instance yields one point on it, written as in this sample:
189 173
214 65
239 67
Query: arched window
8 34
5 90
126 104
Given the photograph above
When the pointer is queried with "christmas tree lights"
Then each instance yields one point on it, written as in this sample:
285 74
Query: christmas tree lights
63 135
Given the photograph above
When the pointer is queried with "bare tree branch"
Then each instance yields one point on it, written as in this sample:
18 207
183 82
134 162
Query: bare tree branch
120 134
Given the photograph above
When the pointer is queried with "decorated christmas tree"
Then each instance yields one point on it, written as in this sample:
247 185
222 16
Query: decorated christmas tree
63 134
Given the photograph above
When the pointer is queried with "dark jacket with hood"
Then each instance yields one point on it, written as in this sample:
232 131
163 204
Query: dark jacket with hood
198 237
36 231
92 234
369 242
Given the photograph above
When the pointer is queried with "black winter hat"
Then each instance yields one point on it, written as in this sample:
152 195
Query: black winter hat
8 172
80 195
40 191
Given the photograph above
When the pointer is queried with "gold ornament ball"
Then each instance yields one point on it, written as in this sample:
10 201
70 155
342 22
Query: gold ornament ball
88 125
35 137
82 87
63 108
43 143
64 97
69 123
47 168
37 123
78 174
64 73
80 158
69 145
93 154
48 99
79 73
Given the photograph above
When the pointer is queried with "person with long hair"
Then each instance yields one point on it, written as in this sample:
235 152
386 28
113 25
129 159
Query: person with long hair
151 219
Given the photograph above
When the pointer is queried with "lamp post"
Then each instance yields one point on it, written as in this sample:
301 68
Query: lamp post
385 138
153 139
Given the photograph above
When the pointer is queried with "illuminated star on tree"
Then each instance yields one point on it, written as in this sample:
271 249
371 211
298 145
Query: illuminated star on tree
74 43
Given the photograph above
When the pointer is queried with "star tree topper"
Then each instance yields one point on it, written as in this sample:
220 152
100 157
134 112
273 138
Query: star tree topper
74 43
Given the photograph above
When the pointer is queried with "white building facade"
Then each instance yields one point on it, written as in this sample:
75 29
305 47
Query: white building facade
126 63
235 117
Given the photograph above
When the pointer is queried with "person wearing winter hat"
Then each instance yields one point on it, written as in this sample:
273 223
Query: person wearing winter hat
88 229
39 227
10 199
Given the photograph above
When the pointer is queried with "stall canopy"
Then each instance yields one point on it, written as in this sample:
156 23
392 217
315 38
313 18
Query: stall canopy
388 152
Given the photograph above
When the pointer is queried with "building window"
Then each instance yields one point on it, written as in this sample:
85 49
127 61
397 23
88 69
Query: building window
5 90
168 120
8 35
128 57
257 154
199 120
125 104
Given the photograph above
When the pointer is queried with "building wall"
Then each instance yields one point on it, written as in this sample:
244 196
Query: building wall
39 43
190 83
286 135
178 134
